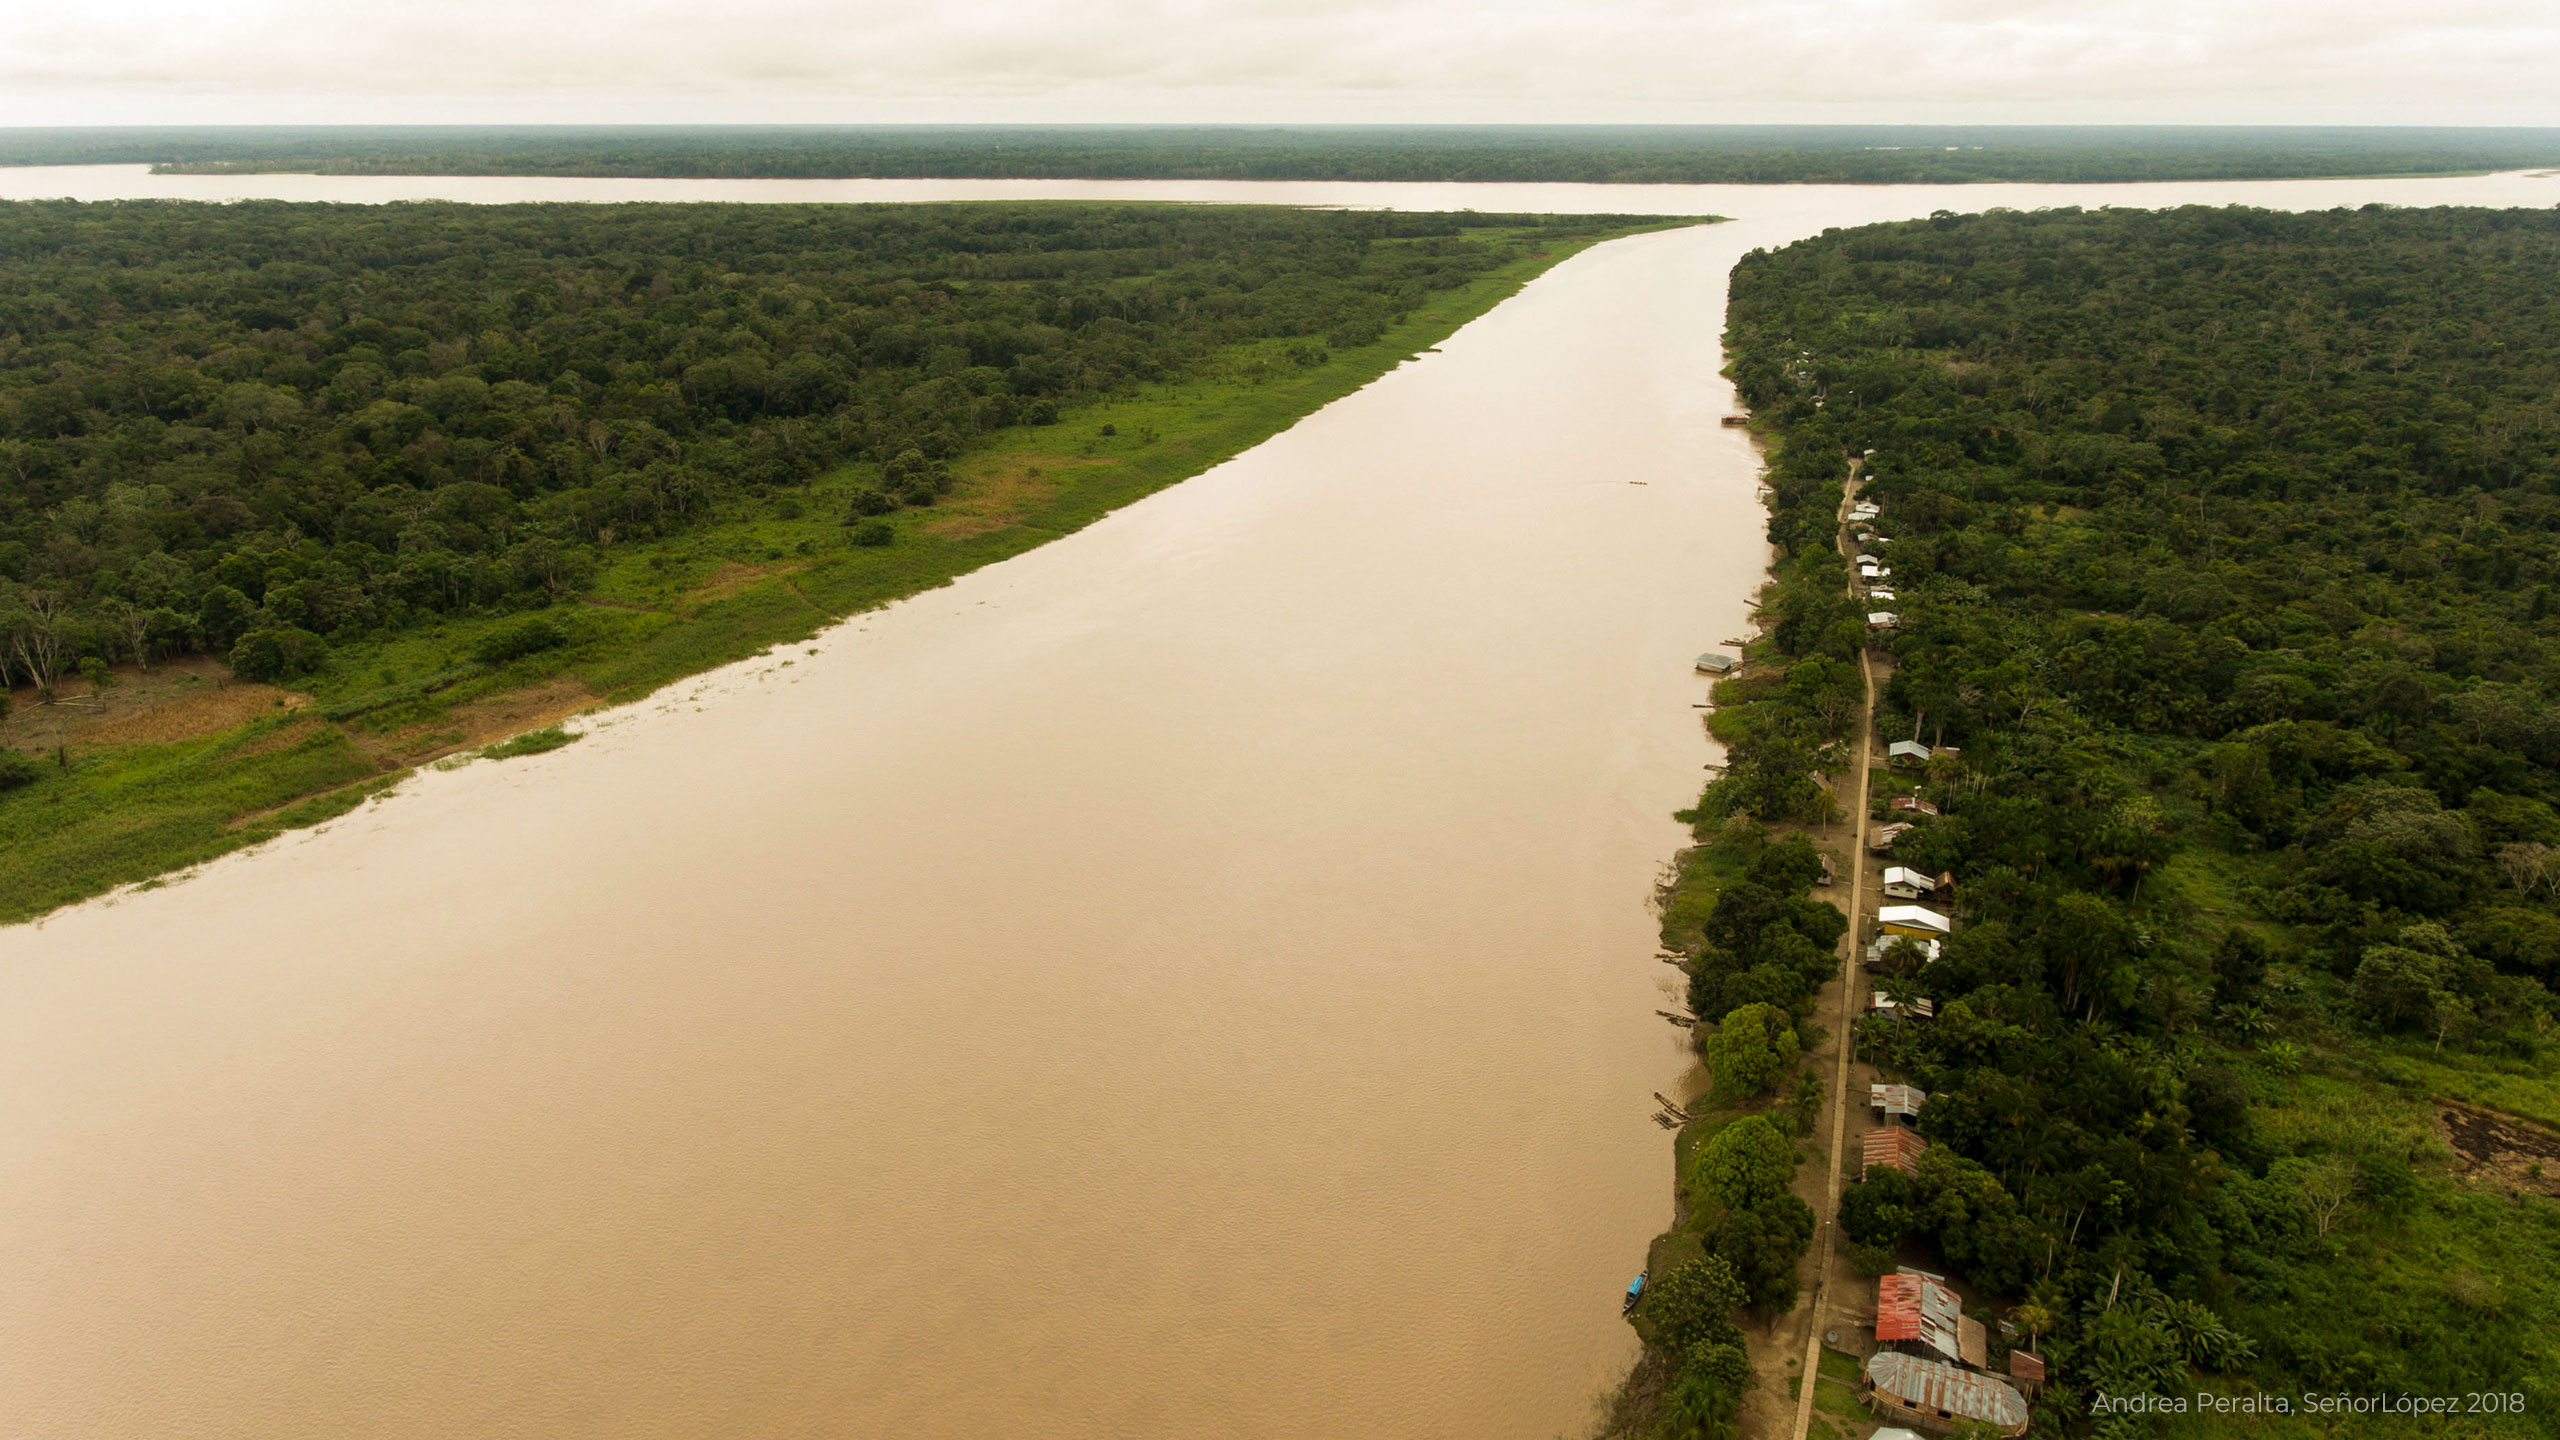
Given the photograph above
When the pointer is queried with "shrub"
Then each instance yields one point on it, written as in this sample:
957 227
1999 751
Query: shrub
868 500
915 477
278 652
532 742
16 770
872 534
529 636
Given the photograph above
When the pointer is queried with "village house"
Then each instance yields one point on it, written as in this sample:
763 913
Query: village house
1904 883
1895 1101
1896 1147
1881 840
1916 1309
1936 1397
1917 921
1907 752
1716 662
1881 620
1911 803
1875 948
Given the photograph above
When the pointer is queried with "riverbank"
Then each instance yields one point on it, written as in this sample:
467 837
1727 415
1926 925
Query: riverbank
137 791
1749 915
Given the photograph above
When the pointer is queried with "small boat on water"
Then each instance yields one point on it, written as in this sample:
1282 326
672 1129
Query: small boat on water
1737 419
1718 663
1635 1292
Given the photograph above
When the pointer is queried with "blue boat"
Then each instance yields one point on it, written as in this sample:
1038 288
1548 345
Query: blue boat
1635 1292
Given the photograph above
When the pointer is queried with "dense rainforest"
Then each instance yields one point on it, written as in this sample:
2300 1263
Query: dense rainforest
1614 154
2223 545
260 430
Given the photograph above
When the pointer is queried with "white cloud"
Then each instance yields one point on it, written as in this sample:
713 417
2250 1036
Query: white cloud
166 61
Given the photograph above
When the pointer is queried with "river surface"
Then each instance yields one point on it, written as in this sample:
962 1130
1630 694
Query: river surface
1194 979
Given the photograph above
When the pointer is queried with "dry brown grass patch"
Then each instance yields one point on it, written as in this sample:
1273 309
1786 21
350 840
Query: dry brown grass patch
1001 489
480 722
206 712
184 699
2499 1149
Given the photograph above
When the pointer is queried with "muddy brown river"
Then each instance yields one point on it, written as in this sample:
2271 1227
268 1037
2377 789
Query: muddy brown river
1194 979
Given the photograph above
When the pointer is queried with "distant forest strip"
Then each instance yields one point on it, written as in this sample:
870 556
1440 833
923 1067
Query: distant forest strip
406 458
1735 154
2224 545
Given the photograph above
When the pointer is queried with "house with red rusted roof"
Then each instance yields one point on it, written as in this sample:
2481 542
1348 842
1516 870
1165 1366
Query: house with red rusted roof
1893 1146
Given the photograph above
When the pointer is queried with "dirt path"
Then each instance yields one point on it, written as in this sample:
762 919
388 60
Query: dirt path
1823 1308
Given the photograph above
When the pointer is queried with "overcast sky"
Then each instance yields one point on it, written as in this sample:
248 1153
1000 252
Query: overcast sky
1999 61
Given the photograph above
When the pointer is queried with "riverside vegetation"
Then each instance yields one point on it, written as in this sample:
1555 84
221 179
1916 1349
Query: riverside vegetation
2224 543
431 474
1586 154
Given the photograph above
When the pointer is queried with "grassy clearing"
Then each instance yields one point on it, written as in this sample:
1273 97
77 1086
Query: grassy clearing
137 811
764 571
532 742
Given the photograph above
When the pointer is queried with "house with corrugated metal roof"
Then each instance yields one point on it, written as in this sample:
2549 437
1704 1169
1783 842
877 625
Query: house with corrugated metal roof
1935 1396
1904 883
1890 1101
1918 921
1908 752
1911 803
2027 1368
1896 1147
1918 1309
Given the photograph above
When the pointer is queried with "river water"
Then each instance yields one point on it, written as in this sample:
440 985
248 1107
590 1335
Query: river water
1192 979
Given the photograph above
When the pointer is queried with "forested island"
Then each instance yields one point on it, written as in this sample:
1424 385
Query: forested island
295 497
2222 545
1587 154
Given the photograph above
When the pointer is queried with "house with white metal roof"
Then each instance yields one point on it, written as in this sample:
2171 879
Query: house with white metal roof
1892 1100
1917 921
